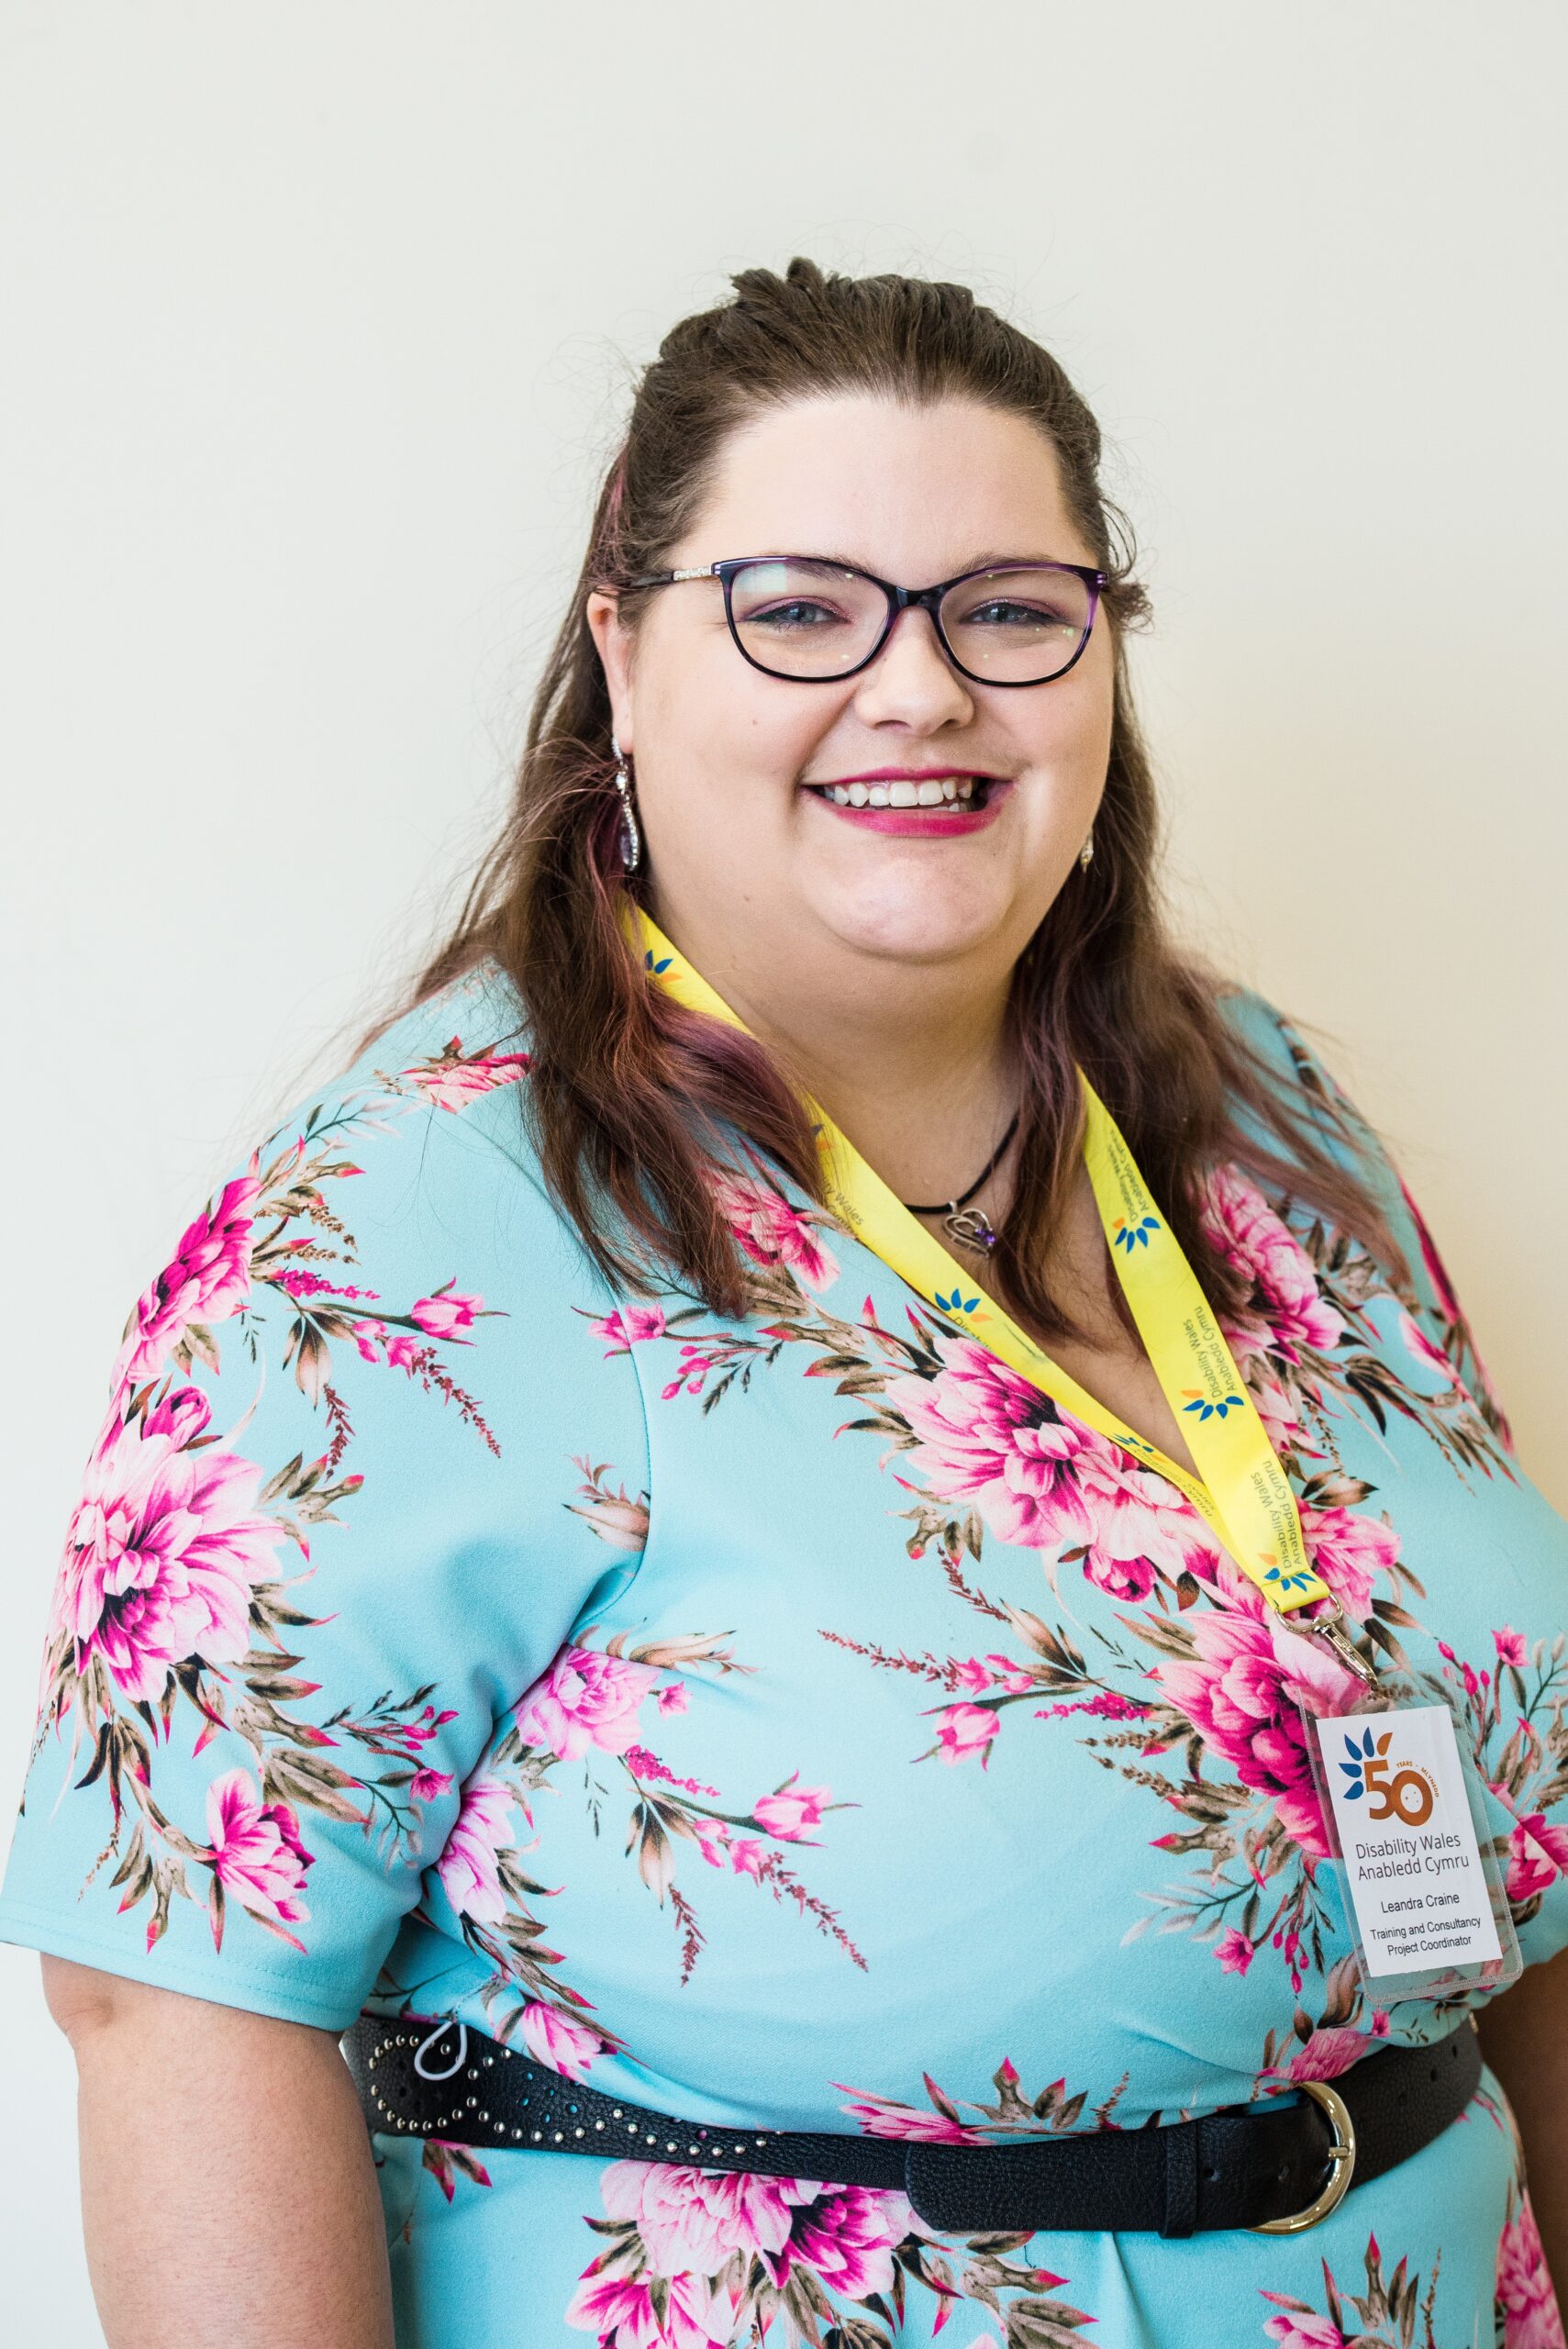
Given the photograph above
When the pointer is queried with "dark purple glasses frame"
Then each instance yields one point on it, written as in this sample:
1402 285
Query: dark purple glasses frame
898 599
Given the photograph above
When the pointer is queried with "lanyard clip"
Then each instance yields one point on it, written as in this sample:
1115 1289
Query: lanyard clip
1331 1629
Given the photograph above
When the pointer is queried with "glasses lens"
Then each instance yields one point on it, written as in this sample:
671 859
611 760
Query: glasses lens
1018 627
806 620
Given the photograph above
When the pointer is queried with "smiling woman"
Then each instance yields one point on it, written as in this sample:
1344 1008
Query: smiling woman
694 1553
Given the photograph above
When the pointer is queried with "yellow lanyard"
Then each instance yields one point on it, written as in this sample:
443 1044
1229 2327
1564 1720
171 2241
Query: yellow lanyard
1244 1496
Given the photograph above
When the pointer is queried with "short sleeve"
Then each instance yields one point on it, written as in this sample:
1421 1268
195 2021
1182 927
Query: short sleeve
371 1450
1348 1136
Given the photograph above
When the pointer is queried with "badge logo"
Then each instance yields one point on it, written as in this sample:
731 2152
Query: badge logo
1395 1789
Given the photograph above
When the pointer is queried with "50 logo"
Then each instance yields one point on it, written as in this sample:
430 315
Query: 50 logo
1400 1791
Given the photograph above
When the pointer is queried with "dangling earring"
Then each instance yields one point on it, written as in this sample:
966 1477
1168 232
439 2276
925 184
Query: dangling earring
1086 853
630 838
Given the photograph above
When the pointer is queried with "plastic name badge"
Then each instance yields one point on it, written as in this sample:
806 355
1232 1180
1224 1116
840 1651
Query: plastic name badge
1415 1855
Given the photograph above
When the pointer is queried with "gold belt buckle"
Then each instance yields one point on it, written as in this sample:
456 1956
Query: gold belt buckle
1341 2163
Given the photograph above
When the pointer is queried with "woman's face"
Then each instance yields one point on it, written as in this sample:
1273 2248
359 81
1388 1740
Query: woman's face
747 855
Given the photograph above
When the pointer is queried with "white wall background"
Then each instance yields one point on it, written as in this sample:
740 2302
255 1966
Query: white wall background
320 320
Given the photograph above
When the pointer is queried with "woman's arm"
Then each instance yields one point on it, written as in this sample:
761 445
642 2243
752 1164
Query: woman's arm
1524 2036
228 2192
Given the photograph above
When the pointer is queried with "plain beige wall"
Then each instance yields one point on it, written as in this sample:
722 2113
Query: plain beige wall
320 320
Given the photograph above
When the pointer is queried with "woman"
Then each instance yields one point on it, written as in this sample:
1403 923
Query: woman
545 1570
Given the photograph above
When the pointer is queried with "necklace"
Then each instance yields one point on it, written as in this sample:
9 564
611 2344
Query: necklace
969 1226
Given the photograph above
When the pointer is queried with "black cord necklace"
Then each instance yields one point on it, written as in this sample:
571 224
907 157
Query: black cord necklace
969 1226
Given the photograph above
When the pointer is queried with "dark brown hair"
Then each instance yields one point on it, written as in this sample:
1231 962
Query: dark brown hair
628 1094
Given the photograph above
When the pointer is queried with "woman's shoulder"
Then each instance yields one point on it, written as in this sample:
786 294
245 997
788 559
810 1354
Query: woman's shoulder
1305 1081
449 1064
1278 1043
1273 1034
414 1159
427 1118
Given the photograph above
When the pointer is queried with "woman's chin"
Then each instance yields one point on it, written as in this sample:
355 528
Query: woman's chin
922 926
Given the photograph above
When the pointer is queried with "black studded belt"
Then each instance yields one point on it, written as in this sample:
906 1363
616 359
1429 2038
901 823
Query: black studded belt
1274 2171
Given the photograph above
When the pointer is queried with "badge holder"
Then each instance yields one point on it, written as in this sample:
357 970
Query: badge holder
1412 1847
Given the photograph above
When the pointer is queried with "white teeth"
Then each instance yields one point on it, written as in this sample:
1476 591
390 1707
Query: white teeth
945 791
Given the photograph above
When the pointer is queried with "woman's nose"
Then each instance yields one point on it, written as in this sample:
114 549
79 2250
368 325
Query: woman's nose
912 677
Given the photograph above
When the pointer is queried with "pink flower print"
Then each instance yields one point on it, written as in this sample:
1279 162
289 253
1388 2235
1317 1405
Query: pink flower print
1243 1691
712 1839
1300 2329
882 2117
428 1785
1538 1854
1510 1647
788 1814
620 2314
847 2236
411 1735
1139 1522
963 1731
1130 1578
1271 1399
690 2218
163 1549
985 1434
1249 1234
447 1314
771 1231
980 1675
559 2040
1234 1951
1420 1346
586 1698
469 1863
746 1857
451 1081
1526 2301
1350 1553
208 1280
257 1854
673 1697
1326 2055
400 1348
622 1328
445 2156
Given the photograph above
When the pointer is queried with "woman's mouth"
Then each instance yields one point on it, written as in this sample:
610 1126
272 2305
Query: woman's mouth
929 808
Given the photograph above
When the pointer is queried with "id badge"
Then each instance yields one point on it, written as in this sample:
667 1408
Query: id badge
1419 1879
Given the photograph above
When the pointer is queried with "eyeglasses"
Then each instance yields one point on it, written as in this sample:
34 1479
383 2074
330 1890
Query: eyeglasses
807 617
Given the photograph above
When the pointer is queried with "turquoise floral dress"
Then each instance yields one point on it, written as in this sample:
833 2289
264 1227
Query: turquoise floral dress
792 1720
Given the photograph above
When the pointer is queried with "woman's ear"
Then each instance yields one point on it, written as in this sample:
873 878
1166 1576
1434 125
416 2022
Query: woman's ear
614 640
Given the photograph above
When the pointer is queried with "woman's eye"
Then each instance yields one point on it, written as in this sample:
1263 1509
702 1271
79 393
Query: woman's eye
800 614
1010 615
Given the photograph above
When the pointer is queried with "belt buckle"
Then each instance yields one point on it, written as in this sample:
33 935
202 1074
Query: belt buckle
1341 2164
